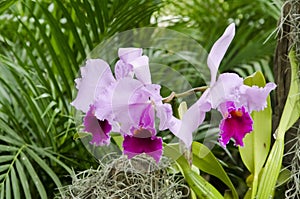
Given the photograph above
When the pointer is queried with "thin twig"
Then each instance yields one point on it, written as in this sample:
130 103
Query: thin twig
184 94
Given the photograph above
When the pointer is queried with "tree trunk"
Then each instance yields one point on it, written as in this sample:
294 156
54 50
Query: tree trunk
288 37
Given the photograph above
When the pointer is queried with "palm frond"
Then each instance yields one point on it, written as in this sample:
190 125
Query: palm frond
206 20
43 44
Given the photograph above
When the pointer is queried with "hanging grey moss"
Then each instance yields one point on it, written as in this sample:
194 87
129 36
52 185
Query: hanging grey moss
288 38
293 187
120 178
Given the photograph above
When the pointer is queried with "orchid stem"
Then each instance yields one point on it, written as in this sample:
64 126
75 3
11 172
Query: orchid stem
184 94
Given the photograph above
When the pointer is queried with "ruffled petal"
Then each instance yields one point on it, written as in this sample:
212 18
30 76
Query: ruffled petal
128 103
223 108
236 125
131 58
152 146
86 85
255 98
218 51
123 69
99 129
141 69
104 94
153 91
149 92
164 113
225 89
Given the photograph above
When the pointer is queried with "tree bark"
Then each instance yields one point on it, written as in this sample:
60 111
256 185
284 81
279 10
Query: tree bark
288 37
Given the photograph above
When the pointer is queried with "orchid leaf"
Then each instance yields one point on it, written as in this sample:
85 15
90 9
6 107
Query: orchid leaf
205 160
291 113
201 187
80 135
283 177
257 143
118 139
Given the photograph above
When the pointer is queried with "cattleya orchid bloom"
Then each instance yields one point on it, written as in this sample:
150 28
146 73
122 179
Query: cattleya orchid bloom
143 137
122 103
227 94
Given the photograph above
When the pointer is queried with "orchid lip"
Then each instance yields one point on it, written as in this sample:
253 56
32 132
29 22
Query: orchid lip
236 124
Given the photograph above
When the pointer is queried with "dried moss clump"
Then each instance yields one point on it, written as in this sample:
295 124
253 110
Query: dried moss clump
293 187
138 178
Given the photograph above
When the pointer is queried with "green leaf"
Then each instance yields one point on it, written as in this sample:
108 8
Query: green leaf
4 167
205 160
291 113
80 135
54 157
45 167
5 158
5 4
10 140
15 183
2 190
201 187
23 179
271 171
118 140
7 188
257 143
7 148
36 180
283 177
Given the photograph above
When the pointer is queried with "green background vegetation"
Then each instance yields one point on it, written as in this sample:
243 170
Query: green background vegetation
43 44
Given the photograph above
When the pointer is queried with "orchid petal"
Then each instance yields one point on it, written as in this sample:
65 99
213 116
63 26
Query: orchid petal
236 125
129 101
103 106
218 51
164 113
129 54
255 98
191 119
123 69
141 69
103 96
86 85
99 129
225 89
154 91
223 108
147 119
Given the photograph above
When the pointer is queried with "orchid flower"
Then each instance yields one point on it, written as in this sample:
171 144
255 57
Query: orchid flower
94 74
122 103
227 94
231 97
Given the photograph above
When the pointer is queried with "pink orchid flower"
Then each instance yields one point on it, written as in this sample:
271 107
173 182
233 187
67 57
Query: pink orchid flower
123 104
229 95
